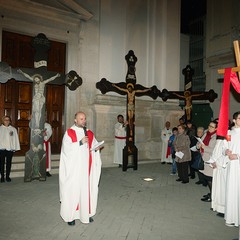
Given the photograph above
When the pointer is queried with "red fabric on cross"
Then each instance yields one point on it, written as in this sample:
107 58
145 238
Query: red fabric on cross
229 77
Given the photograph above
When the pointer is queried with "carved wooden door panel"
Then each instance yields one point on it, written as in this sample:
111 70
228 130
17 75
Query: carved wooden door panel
16 102
55 107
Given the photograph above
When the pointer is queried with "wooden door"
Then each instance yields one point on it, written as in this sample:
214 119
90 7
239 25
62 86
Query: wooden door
16 96
55 107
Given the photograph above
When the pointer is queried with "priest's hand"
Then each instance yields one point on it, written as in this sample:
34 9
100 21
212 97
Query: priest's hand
84 139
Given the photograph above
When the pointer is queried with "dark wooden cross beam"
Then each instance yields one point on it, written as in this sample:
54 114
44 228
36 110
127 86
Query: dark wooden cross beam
35 158
187 95
131 89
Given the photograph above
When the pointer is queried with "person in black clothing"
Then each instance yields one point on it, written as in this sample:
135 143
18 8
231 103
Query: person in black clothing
191 132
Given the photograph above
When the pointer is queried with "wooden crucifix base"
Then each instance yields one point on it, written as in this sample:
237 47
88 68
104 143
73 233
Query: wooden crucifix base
130 159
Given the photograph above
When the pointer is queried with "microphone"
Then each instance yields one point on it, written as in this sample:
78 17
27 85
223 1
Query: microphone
85 131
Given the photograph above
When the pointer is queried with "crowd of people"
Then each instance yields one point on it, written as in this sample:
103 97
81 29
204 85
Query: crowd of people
187 146
182 147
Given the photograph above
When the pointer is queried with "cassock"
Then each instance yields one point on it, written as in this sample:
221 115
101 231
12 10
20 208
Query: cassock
232 204
219 178
119 142
79 174
47 145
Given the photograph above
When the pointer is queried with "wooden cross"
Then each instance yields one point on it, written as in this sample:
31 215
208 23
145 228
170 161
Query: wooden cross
35 158
187 95
131 89
237 56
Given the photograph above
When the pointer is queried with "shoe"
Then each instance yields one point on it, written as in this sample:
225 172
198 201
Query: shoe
206 195
48 174
8 179
185 182
198 182
163 162
2 180
91 219
192 177
178 180
120 165
206 199
220 214
173 174
72 223
230 224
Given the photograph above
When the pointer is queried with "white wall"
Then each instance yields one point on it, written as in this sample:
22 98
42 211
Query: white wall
223 27
96 48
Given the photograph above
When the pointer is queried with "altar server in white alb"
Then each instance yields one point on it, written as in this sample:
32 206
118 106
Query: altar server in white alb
218 162
232 151
9 143
79 173
120 139
166 132
47 147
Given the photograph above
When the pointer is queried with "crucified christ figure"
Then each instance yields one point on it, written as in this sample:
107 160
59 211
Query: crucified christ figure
131 97
38 98
188 101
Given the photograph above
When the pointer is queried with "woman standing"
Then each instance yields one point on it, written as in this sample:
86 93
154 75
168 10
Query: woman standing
9 143
183 154
209 140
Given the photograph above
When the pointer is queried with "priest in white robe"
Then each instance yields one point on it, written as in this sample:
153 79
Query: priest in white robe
120 140
79 173
232 146
166 156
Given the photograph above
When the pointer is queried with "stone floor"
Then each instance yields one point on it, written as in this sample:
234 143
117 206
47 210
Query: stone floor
129 208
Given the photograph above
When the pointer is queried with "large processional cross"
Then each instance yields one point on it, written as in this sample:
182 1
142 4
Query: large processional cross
131 89
35 158
188 95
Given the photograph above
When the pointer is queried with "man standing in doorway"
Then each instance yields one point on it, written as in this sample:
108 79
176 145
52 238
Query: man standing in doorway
120 139
166 150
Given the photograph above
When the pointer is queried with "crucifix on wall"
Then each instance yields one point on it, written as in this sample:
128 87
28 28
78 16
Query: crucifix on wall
35 158
187 95
131 89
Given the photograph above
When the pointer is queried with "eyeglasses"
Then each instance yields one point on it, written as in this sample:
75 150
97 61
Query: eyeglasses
211 126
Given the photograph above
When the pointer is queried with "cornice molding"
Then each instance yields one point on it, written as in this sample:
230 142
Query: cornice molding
28 8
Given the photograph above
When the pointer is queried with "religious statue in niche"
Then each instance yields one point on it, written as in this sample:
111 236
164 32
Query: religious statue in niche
187 96
38 98
130 104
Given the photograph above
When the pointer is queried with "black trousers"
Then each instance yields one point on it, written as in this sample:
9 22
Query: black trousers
6 156
192 170
183 171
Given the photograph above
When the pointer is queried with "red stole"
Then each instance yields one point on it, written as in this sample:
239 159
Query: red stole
72 134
